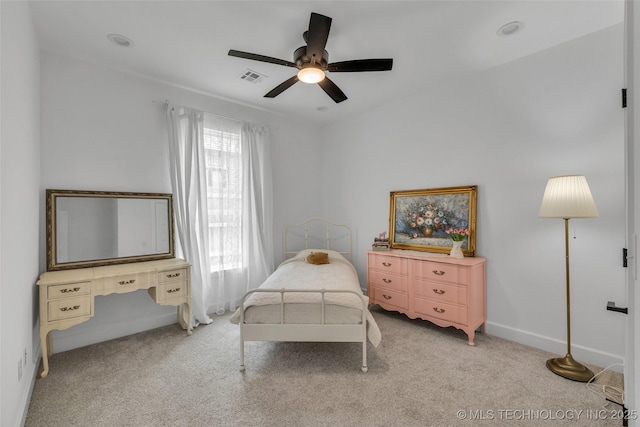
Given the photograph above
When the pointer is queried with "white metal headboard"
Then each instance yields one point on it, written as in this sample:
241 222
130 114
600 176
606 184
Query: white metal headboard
317 233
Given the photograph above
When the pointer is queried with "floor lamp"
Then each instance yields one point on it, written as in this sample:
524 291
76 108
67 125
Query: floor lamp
568 197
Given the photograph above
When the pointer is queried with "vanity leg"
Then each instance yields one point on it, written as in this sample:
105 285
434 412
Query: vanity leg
184 317
47 348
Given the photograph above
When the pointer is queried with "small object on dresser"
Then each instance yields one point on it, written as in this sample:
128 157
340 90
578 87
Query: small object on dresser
381 243
380 246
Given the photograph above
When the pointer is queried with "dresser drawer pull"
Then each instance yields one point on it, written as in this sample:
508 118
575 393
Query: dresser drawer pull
385 280
170 276
385 296
439 310
67 290
170 291
438 291
438 272
75 307
386 264
127 282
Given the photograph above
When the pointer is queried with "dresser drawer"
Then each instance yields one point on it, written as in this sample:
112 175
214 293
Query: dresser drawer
388 297
68 308
127 282
388 264
388 280
68 290
441 272
169 276
443 292
441 310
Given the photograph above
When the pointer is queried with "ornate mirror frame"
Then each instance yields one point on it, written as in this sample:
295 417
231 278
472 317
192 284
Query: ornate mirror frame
54 199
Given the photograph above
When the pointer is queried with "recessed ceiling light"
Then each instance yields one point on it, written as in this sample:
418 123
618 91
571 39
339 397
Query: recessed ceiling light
120 40
509 29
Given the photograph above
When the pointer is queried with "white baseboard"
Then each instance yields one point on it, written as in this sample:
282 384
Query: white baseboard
591 356
25 399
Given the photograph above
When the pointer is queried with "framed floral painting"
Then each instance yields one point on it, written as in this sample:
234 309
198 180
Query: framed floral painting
431 220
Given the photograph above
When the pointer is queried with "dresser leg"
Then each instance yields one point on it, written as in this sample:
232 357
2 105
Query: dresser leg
471 335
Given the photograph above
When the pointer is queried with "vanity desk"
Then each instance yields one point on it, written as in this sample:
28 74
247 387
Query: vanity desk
103 243
66 296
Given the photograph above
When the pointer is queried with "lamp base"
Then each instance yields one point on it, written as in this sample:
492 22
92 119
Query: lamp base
568 368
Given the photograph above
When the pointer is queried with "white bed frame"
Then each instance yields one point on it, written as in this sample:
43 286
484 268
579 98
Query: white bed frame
315 332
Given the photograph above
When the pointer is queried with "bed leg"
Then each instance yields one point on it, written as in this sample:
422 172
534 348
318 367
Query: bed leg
241 350
364 357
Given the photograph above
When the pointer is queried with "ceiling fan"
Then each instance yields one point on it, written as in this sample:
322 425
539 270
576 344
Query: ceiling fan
312 61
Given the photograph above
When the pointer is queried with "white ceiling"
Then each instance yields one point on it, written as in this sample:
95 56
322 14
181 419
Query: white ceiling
185 43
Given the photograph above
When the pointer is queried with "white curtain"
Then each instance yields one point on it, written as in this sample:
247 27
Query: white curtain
219 276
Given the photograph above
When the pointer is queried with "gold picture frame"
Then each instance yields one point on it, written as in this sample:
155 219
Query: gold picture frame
421 219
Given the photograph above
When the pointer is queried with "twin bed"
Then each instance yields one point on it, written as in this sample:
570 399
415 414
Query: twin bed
314 295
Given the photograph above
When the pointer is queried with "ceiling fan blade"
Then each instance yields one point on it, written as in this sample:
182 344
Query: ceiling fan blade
332 90
261 58
318 34
357 65
282 87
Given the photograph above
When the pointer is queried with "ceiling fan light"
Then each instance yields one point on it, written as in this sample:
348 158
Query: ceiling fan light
311 75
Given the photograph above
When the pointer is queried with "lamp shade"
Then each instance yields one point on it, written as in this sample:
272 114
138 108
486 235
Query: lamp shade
568 197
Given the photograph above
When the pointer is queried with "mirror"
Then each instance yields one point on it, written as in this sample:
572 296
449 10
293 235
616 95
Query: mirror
92 228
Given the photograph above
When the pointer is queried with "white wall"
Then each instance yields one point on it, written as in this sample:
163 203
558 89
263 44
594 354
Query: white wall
105 130
19 209
508 130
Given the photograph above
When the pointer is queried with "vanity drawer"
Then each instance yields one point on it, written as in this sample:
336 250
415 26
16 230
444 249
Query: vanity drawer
127 282
169 292
169 276
388 280
388 264
68 308
440 310
68 290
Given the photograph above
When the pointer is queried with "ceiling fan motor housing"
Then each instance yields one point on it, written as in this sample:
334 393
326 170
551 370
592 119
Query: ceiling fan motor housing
302 60
312 61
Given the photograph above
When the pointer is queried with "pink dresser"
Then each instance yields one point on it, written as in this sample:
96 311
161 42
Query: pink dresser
445 291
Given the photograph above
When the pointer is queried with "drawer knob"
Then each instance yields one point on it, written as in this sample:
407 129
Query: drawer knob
170 291
75 307
439 310
68 290
385 296
438 291
438 272
126 282
385 280
170 276
386 264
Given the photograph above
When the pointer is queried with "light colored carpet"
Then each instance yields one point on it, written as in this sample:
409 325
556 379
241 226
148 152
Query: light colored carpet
420 375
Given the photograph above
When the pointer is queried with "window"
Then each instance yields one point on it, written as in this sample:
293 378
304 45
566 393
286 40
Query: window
223 159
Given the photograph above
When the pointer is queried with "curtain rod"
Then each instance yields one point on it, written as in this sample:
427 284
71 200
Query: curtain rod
166 101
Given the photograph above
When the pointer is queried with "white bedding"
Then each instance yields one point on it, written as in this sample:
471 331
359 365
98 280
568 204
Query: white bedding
304 308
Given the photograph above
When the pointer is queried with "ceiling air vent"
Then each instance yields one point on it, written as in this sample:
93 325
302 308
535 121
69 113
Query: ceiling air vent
252 76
